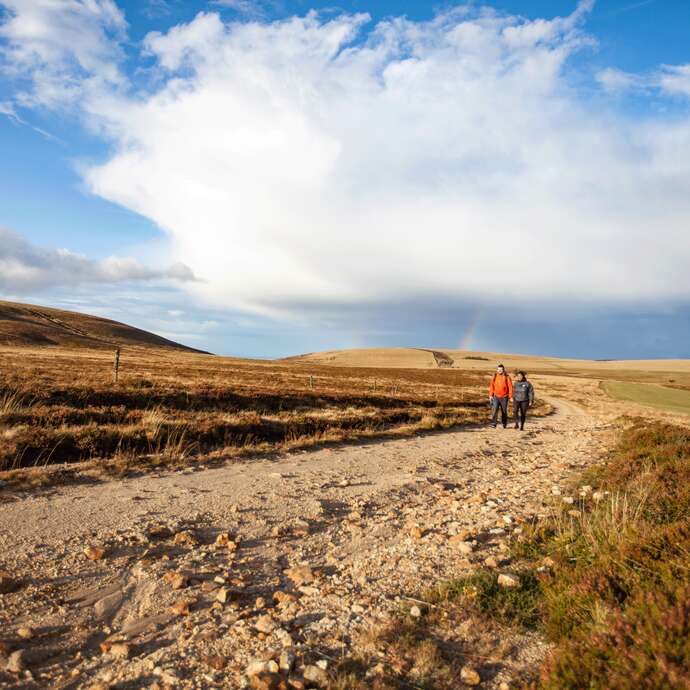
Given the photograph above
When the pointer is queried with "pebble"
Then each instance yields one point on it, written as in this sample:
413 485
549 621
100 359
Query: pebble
465 547
186 538
215 661
175 580
16 662
416 532
286 661
316 675
181 607
120 650
508 581
94 553
267 681
256 666
469 676
26 633
265 624
300 575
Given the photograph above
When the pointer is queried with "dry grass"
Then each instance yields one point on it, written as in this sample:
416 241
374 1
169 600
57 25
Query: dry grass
426 653
668 373
60 406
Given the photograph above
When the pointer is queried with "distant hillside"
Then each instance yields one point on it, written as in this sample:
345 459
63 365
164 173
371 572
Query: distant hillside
393 357
30 325
419 358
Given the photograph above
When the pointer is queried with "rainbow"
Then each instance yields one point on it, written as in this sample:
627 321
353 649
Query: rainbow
468 338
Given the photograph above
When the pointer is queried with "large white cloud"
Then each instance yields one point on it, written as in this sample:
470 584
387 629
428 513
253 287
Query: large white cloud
324 160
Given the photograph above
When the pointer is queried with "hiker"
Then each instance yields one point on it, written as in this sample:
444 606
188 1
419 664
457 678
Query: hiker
500 391
523 397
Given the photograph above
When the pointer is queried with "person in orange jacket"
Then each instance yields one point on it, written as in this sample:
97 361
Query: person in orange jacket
500 391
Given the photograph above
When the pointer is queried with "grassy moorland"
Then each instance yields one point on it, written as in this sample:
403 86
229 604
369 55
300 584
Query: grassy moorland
668 371
60 405
661 397
607 582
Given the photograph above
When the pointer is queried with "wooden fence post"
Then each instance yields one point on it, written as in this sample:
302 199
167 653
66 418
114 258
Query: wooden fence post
116 366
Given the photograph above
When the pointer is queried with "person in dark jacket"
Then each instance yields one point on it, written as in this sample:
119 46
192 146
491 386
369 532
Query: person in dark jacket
523 397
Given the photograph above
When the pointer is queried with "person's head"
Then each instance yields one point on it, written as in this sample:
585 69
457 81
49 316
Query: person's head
522 376
500 369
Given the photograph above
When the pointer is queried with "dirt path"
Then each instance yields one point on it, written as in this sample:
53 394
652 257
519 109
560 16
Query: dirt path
368 523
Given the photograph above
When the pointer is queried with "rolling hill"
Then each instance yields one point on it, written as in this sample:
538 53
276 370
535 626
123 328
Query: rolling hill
420 358
27 325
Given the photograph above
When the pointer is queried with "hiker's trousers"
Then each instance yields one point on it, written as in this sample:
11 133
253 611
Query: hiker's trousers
520 411
501 403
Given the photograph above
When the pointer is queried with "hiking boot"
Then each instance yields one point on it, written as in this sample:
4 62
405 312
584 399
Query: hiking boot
516 426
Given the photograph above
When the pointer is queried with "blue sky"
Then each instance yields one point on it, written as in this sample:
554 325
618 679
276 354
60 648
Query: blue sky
253 179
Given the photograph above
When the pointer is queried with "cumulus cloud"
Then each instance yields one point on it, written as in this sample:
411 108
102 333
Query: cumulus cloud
62 47
614 79
318 161
671 80
25 267
249 7
675 79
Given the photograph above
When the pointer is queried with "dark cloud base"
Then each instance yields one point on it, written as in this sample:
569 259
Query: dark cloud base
558 330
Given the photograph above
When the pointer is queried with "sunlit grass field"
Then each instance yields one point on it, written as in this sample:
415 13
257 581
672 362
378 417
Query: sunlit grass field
672 399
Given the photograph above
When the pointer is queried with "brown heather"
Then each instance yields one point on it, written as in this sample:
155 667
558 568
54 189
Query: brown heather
170 407
619 602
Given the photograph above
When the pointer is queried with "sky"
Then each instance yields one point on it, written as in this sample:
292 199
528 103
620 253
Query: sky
269 177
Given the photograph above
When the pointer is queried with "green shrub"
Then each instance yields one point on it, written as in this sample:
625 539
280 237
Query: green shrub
481 593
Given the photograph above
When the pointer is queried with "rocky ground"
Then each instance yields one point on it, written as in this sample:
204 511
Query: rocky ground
264 573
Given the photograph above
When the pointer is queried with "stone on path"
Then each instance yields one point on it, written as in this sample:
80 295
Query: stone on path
508 581
16 662
469 676
300 575
317 676
94 553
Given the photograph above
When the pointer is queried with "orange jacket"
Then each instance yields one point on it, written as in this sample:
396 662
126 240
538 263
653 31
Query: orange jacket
501 386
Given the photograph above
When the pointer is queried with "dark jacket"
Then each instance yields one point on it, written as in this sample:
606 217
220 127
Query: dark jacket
523 390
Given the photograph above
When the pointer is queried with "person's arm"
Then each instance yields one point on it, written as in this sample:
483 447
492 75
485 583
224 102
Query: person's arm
510 387
491 387
531 394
